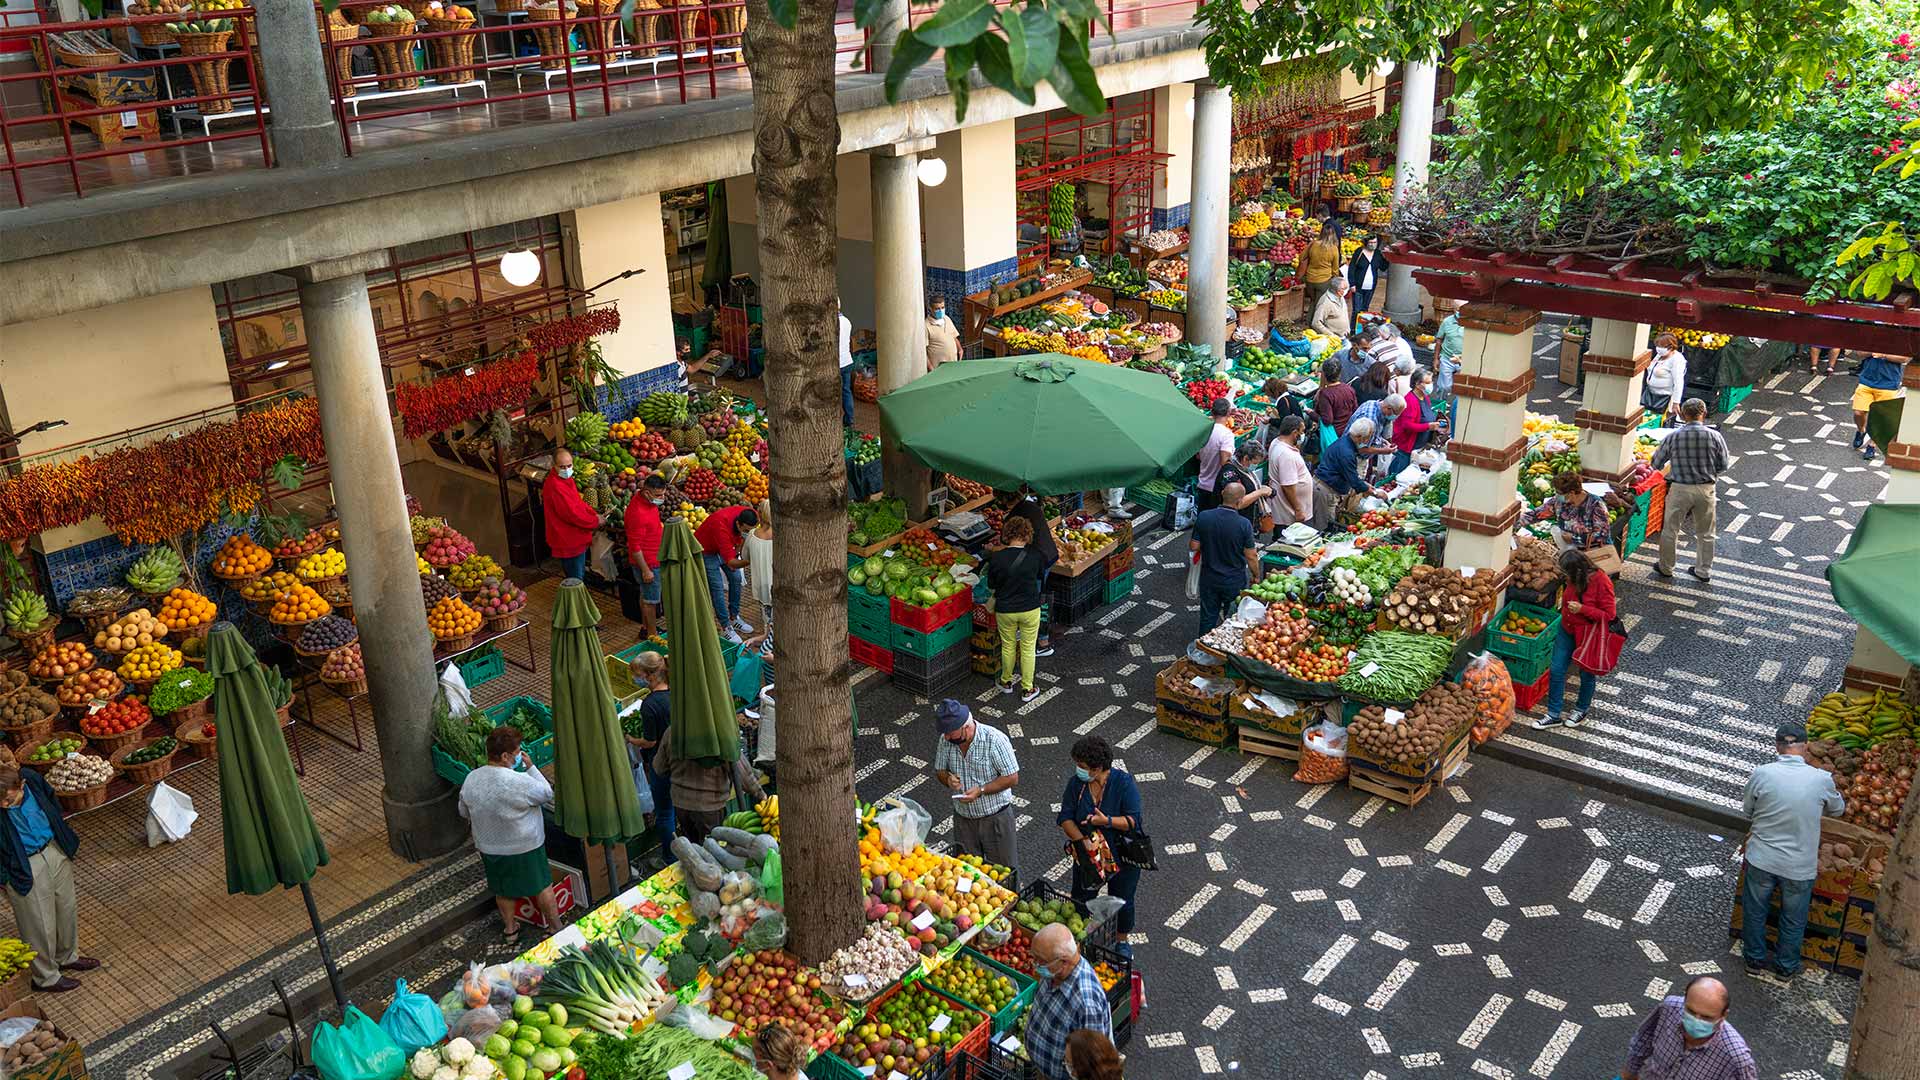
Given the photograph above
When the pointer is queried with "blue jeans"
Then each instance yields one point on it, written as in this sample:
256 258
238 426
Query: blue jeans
662 810
1120 886
1557 677
1362 301
725 584
573 566
1400 460
1755 899
846 395
1046 627
1216 602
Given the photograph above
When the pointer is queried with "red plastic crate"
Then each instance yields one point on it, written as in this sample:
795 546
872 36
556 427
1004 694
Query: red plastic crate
1649 482
1526 697
1119 562
923 619
869 654
1656 510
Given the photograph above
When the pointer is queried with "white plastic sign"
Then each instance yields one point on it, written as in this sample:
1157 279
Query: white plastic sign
923 920
1010 1044
866 1070
963 884
854 978
896 1075
682 1071
940 1022
1369 669
1393 716
1468 571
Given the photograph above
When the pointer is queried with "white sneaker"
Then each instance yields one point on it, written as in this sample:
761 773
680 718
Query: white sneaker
728 634
740 625
1576 718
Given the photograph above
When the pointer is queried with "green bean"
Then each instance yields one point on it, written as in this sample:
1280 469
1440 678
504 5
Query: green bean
1405 665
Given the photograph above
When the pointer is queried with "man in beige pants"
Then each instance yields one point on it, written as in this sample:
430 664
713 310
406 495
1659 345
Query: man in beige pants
36 850
1694 456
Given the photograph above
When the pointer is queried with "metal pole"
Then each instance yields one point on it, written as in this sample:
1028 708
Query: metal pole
326 954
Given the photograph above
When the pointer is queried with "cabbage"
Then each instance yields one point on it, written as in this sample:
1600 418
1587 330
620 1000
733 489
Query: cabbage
857 576
874 565
876 587
897 569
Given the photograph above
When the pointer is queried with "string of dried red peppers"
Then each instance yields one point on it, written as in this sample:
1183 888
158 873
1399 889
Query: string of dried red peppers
452 400
573 329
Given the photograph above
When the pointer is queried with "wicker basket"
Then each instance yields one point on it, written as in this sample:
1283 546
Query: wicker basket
500 624
185 632
321 585
452 52
284 714
34 641
70 58
26 735
111 744
145 773
343 57
393 54
449 646
321 654
552 39
190 737
25 750
210 77
509 5
152 34
86 799
236 582
99 622
16 987
290 632
194 713
349 687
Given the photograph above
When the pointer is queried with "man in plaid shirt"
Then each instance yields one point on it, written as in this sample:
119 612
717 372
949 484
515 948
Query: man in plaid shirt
1694 456
1068 998
976 761
1688 1038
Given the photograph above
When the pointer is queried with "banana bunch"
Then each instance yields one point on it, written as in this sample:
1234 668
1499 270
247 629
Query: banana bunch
26 610
14 955
1060 210
766 816
1862 721
747 821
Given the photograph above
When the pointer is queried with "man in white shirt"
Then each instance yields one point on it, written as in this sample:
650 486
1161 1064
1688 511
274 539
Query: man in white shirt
943 340
1330 314
846 370
1287 474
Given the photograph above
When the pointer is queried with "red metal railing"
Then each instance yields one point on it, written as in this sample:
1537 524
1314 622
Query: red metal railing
1115 148
114 95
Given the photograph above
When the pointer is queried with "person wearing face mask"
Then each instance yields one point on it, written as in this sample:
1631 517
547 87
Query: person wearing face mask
976 761
1100 805
1067 998
645 526
1687 1037
1666 378
570 521
943 340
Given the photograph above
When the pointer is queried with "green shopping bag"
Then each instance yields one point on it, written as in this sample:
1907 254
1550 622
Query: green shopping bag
356 1050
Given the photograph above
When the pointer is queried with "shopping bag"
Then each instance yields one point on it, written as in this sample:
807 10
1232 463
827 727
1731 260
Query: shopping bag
600 557
1323 754
1599 647
170 815
904 825
412 1020
454 686
1193 579
356 1050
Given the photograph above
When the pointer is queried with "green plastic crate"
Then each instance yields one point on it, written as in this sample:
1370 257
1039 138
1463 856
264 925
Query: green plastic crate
1731 396
1520 646
1117 588
862 602
540 749
931 643
482 667
1526 672
874 631
1009 1015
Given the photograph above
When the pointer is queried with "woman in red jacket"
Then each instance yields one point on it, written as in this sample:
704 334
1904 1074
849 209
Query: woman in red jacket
570 521
1588 599
1412 422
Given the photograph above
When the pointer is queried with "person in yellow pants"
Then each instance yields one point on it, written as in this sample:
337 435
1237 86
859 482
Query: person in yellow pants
1013 574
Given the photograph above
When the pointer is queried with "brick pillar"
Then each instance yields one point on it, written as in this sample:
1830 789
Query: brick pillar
1872 663
1610 402
1496 372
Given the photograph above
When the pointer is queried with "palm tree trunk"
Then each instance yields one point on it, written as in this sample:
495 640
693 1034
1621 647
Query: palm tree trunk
796 138
1886 1017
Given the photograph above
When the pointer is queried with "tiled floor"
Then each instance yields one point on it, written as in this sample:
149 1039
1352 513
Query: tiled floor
414 119
161 919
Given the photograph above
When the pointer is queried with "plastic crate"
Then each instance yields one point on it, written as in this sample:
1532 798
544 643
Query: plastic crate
482 667
1119 562
1731 396
1066 612
928 676
1147 500
1066 590
1117 588
620 679
540 750
875 631
925 619
1526 696
929 644
1526 671
867 605
1522 646
869 654
1009 1014
453 772
1120 994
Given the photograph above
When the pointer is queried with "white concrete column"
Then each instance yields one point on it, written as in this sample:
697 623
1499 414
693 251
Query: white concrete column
887 28
1207 251
899 298
1496 371
294 68
422 821
1609 412
1410 168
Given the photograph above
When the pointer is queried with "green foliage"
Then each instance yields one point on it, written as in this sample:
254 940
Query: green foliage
1888 260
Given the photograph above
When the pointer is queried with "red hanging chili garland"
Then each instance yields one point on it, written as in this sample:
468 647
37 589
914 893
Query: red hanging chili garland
452 400
573 329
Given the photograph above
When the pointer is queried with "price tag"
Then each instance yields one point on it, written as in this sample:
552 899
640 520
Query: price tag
866 1070
940 1022
1369 669
1010 1044
129 120
1468 571
95 706
682 1071
854 979
923 920
896 1075
963 884
1393 716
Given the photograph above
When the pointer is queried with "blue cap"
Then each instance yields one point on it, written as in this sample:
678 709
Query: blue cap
952 715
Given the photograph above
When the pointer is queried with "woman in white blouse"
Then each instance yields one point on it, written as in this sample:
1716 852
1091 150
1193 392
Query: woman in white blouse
1666 378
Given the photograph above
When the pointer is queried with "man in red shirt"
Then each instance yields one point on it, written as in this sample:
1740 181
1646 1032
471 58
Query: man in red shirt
720 538
570 521
644 527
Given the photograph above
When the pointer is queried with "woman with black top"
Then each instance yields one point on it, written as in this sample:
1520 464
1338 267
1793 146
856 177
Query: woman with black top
1240 471
1029 510
1014 574
1375 384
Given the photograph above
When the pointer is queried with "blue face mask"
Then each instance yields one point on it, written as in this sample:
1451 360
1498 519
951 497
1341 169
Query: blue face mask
1042 971
1695 1027
1082 775
566 473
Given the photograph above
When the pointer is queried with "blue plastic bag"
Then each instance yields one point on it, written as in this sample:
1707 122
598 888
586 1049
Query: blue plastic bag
357 1050
413 1020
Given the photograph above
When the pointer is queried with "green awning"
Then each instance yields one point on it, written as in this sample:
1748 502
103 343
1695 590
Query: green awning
1878 580
594 796
703 727
271 837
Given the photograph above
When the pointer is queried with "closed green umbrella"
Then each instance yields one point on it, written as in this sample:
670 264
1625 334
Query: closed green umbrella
594 796
703 725
1878 580
271 837
1055 423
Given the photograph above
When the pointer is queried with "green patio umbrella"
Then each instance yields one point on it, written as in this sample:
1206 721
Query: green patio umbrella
271 837
1878 580
594 796
1055 423
703 724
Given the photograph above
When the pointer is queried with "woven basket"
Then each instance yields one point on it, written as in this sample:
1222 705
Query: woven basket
26 735
452 52
97 623
142 687
449 646
237 582
191 738
343 58
311 654
25 750
321 585
108 745
290 632
69 58
552 39
284 714
500 624
146 772
194 713
646 28
349 687
210 77
156 34
509 5
190 631
33 642
393 54
75 801
16 987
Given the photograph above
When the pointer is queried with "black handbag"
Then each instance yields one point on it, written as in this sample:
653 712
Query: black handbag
1135 849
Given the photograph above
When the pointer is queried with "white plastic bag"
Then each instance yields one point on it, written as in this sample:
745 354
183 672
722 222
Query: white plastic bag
1193 580
454 685
170 815
1327 739
600 557
904 825
1103 908
1251 610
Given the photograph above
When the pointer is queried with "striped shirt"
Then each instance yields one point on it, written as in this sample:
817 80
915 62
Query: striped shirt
1697 453
1660 1050
988 758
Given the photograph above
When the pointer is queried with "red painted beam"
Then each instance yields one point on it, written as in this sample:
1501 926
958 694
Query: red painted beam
1745 322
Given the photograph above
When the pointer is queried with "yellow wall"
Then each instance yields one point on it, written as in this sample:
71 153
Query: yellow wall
110 369
969 218
613 238
1173 135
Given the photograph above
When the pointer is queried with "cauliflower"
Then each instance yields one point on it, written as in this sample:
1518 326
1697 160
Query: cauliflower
479 1068
445 1072
457 1052
424 1062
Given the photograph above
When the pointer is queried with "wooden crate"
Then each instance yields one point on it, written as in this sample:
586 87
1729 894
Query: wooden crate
1248 712
1258 741
1403 790
1204 729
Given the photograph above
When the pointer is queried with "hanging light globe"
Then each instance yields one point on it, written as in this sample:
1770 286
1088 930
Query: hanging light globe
520 268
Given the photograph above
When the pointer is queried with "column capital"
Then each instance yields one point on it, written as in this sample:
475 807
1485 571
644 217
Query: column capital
922 144
1595 420
1498 318
1210 84
328 269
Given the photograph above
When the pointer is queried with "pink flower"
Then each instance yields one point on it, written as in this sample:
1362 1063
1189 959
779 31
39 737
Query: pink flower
1676 153
1749 176
1903 40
